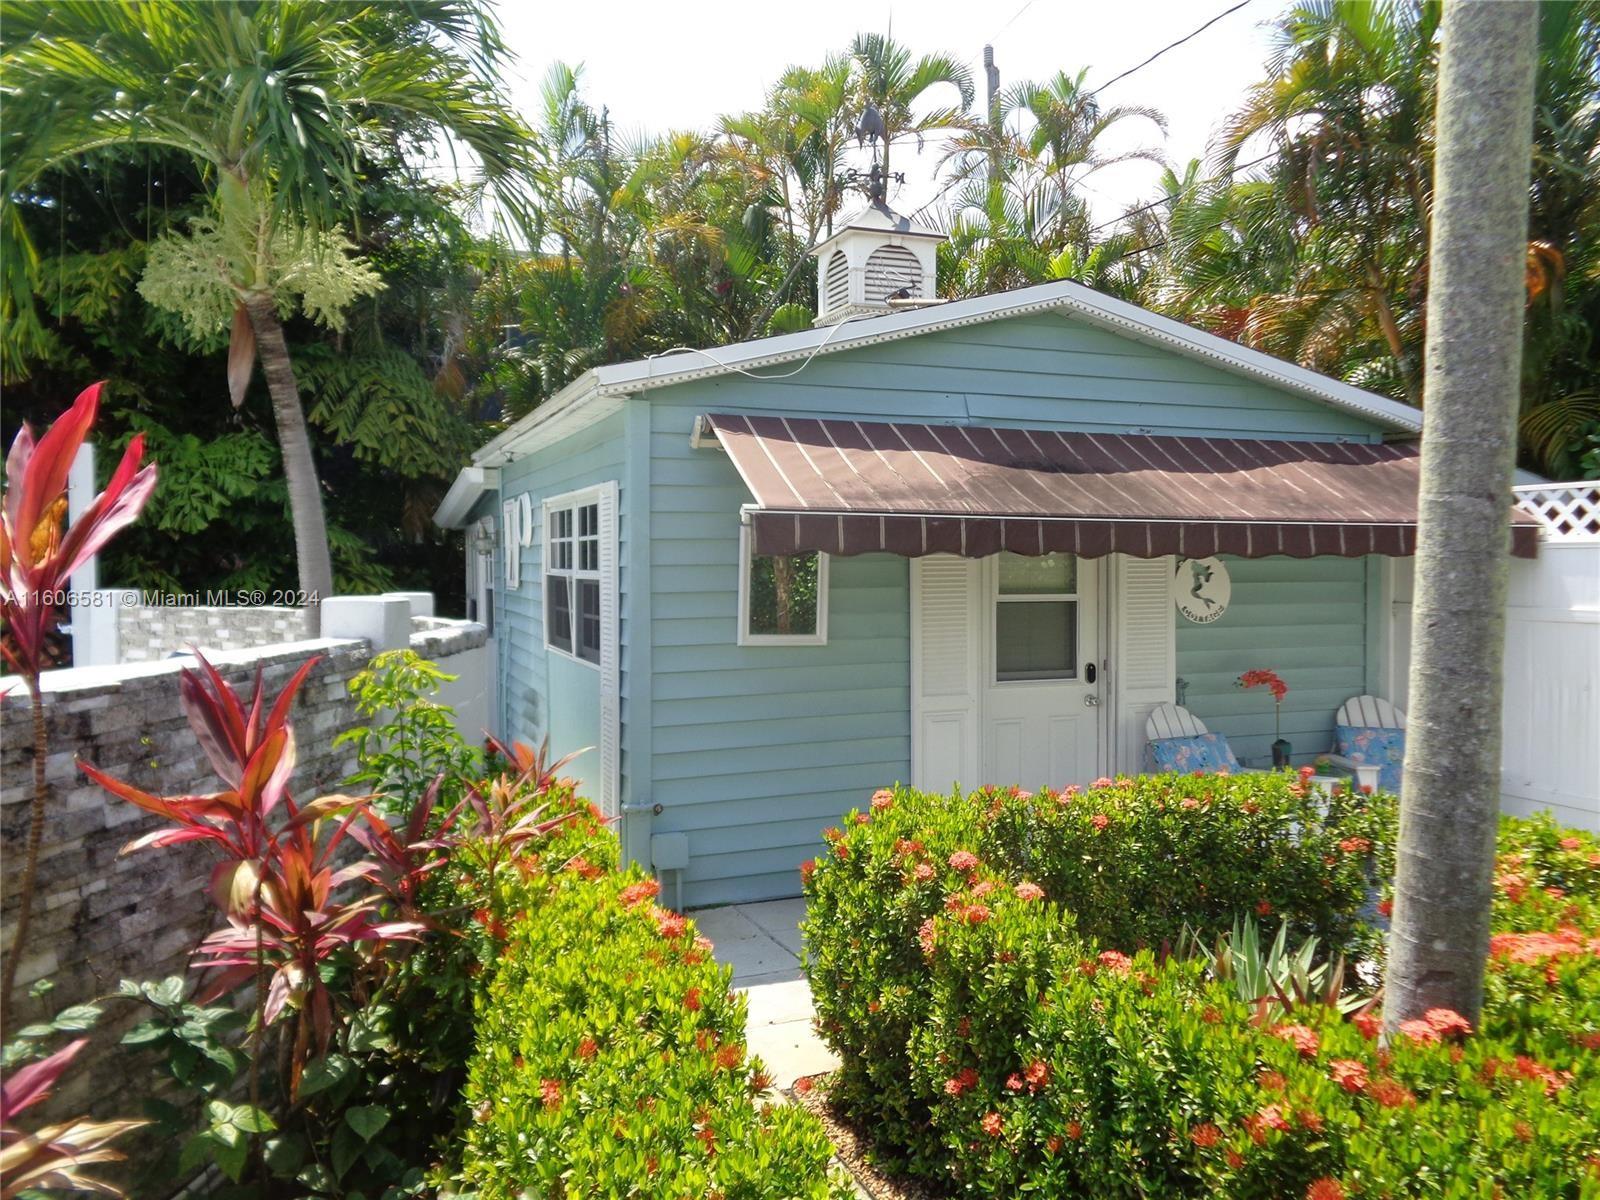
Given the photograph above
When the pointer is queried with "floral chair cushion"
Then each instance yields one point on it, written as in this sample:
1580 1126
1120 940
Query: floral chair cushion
1373 747
1206 752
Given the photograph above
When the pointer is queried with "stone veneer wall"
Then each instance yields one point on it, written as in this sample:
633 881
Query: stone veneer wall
99 917
148 632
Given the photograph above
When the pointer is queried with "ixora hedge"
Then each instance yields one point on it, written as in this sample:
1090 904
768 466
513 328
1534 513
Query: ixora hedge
992 970
610 1059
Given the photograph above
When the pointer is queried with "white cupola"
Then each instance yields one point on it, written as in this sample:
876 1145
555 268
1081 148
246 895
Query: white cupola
876 262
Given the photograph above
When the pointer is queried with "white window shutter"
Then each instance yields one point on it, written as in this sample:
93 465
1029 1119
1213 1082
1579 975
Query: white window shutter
610 652
511 542
945 616
1144 662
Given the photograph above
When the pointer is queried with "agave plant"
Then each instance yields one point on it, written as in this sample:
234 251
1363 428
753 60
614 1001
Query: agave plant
52 1157
38 554
1276 974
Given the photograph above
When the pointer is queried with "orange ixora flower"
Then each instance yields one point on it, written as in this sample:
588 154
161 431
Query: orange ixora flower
1100 821
550 1092
1391 1093
1446 1022
1029 891
638 893
1349 1074
882 800
1301 1037
1326 1188
1205 1136
963 861
993 1124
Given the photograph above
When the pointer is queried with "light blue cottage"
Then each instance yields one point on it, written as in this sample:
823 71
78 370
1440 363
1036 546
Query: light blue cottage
730 705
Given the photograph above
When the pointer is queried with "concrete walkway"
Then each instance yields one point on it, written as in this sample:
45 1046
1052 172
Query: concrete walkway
761 942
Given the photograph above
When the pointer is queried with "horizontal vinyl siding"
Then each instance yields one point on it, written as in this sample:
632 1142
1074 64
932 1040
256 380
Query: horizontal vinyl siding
530 690
1045 371
1306 619
755 750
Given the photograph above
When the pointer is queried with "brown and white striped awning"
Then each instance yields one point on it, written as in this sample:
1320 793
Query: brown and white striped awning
855 487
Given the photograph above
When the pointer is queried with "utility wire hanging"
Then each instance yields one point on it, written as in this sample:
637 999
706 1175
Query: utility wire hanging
944 191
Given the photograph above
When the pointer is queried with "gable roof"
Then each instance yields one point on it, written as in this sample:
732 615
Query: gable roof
605 384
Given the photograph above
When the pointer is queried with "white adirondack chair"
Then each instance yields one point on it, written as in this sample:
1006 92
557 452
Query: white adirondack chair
1174 721
1365 712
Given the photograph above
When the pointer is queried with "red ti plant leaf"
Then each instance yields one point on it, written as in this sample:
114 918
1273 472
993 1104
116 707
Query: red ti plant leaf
49 1158
252 750
37 556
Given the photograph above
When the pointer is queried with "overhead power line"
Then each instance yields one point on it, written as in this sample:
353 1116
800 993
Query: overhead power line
945 190
1170 46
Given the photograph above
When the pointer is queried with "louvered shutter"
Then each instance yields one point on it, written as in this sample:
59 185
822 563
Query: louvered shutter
1144 660
610 652
944 672
510 542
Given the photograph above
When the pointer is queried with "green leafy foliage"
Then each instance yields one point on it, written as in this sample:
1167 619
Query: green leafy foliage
990 1044
609 1060
1132 861
409 738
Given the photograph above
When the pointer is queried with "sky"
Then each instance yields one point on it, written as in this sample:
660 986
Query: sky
660 66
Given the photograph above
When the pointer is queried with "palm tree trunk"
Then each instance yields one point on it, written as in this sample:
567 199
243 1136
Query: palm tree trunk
1451 795
299 469
30 858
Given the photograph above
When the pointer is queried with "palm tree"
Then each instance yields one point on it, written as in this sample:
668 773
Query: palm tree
1449 806
1348 108
885 75
277 102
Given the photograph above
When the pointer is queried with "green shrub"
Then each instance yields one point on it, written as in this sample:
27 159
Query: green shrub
1021 1054
1132 861
610 1062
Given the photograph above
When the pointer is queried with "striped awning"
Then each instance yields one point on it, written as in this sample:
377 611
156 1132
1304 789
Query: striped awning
856 487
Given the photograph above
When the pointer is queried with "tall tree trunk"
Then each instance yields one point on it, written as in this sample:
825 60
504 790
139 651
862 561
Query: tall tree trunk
299 469
1451 794
30 857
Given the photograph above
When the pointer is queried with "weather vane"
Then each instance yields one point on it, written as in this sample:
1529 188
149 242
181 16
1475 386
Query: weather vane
870 128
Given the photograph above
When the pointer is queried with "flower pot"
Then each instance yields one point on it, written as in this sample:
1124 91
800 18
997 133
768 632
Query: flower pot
1280 753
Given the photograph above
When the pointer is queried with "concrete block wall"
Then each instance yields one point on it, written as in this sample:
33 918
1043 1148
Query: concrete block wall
100 916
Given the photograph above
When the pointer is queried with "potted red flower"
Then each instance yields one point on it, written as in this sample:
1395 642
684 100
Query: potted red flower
1273 682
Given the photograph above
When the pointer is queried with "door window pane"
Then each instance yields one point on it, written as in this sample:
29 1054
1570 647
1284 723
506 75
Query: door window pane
1036 639
1044 575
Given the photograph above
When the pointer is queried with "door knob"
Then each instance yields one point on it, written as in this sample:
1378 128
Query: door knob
1091 701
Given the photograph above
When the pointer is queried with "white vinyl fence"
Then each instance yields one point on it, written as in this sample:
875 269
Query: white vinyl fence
1551 753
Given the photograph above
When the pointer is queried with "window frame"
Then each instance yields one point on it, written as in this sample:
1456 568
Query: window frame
572 504
744 636
1074 598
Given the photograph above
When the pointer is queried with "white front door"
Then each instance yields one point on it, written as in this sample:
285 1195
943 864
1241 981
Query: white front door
1040 694
1006 657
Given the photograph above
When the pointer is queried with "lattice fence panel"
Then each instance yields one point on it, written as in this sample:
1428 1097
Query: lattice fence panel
1569 512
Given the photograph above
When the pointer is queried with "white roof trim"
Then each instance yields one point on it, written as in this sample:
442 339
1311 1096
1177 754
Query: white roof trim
469 486
629 378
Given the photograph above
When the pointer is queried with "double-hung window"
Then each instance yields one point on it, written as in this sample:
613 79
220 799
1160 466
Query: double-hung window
572 579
